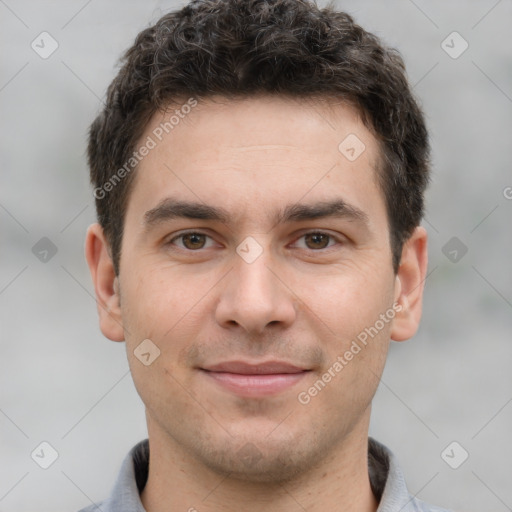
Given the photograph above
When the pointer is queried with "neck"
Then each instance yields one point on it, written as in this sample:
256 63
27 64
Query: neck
178 482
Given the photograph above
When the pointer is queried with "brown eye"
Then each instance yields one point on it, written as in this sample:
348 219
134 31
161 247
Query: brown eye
193 241
317 240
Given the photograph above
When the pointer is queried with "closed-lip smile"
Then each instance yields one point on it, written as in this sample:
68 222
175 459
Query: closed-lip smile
255 379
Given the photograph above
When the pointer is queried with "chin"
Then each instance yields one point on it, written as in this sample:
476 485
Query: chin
257 468
262 461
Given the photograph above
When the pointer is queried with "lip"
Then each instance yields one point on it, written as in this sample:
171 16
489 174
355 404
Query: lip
264 368
252 380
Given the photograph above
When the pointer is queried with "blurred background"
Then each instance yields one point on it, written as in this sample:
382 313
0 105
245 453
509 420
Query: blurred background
445 402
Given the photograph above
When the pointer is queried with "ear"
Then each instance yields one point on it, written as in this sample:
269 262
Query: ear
409 286
105 282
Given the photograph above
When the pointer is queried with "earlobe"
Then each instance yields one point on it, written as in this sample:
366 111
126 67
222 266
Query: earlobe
409 286
105 282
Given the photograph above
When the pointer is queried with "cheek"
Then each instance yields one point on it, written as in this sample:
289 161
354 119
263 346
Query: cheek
169 317
356 348
356 339
348 301
158 298
168 309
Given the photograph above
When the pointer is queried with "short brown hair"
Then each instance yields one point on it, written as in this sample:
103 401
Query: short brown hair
239 48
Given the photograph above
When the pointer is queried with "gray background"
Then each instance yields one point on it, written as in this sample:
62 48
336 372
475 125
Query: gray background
63 383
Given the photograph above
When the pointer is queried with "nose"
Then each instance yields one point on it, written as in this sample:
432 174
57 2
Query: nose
255 296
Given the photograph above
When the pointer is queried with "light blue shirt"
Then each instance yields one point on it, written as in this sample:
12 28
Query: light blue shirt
386 479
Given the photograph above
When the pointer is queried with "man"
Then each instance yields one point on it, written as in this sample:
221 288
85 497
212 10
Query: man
259 171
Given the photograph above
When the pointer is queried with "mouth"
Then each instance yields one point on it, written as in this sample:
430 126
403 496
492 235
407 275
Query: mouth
253 380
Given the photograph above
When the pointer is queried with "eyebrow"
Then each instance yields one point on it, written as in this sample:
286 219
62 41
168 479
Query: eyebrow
337 208
170 208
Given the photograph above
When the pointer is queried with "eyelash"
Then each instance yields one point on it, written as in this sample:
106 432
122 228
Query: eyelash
338 240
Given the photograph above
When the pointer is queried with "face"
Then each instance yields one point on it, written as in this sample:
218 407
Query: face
255 258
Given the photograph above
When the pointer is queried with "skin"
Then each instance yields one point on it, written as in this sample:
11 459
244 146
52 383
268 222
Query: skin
303 300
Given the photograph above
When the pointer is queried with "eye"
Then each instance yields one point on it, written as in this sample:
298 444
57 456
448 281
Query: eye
191 241
317 240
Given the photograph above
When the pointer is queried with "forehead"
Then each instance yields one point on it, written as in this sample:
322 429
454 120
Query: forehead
254 154
262 120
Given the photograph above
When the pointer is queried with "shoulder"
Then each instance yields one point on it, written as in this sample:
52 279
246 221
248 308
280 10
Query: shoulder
125 494
388 483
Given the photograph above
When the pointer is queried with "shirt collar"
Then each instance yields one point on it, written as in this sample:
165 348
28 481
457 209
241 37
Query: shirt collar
386 479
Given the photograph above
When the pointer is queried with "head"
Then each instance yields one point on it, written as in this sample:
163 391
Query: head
259 171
